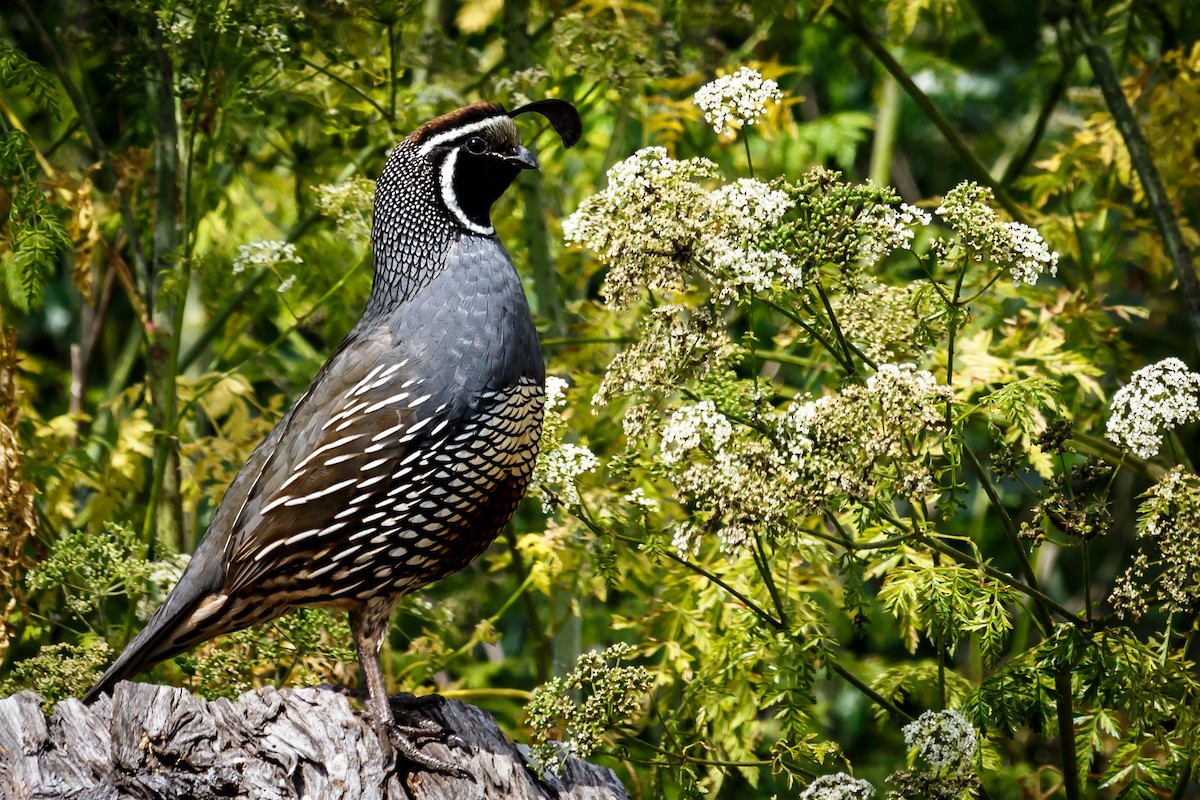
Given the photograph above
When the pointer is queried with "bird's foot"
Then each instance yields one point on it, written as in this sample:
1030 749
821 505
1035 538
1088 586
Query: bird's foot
411 729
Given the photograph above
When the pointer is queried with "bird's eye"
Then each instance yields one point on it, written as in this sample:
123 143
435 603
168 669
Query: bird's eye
476 146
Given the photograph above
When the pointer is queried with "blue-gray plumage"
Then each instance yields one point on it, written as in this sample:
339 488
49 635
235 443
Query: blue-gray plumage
409 452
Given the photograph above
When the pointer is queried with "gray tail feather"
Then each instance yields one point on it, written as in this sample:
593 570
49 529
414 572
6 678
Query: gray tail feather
162 638
168 633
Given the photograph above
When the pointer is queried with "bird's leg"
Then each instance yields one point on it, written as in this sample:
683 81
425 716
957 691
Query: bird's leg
405 736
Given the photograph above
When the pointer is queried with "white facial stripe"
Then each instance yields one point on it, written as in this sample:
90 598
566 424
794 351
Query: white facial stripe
459 132
451 201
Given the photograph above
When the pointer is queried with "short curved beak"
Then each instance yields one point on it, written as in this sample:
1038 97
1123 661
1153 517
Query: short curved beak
521 157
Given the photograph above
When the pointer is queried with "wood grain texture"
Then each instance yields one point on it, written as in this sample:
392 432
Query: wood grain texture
162 742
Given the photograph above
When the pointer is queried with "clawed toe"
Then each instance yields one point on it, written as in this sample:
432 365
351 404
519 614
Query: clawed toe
411 729
407 748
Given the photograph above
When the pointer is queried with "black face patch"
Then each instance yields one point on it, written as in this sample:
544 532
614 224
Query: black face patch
479 180
474 165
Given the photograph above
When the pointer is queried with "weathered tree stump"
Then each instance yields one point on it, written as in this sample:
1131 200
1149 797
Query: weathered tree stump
162 742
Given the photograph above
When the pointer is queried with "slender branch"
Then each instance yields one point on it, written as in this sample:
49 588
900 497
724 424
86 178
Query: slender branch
764 566
887 122
1110 453
1010 531
541 637
1143 162
1053 97
857 27
811 331
863 687
83 110
325 71
1002 576
750 604
164 359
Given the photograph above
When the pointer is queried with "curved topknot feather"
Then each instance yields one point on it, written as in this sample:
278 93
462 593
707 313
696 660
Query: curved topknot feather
562 115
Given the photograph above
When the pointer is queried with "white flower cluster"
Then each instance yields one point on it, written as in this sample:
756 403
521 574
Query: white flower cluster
560 463
1158 398
967 209
899 400
559 468
270 37
686 539
747 210
517 86
677 343
1166 570
1026 252
265 254
838 786
886 229
656 224
350 203
733 101
646 223
862 443
944 739
268 254
908 396
178 28
754 205
638 499
691 425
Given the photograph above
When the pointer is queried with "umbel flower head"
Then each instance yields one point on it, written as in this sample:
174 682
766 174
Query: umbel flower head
944 739
838 786
733 101
658 219
967 209
1157 399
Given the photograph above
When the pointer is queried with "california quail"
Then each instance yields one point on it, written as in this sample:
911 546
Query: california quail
409 452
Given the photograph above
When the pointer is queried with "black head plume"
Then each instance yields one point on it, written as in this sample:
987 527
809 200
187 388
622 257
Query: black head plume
562 116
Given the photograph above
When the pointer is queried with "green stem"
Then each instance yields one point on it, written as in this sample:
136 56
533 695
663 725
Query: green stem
217 324
887 122
519 49
164 514
1049 104
1143 163
337 79
1037 595
863 687
749 158
541 637
811 331
857 27
849 349
764 566
1010 531
951 338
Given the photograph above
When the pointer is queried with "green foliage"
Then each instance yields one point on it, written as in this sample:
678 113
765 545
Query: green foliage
17 70
36 237
948 603
90 568
59 671
609 694
305 648
835 455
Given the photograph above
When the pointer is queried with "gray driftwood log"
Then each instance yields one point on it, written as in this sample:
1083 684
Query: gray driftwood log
162 742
